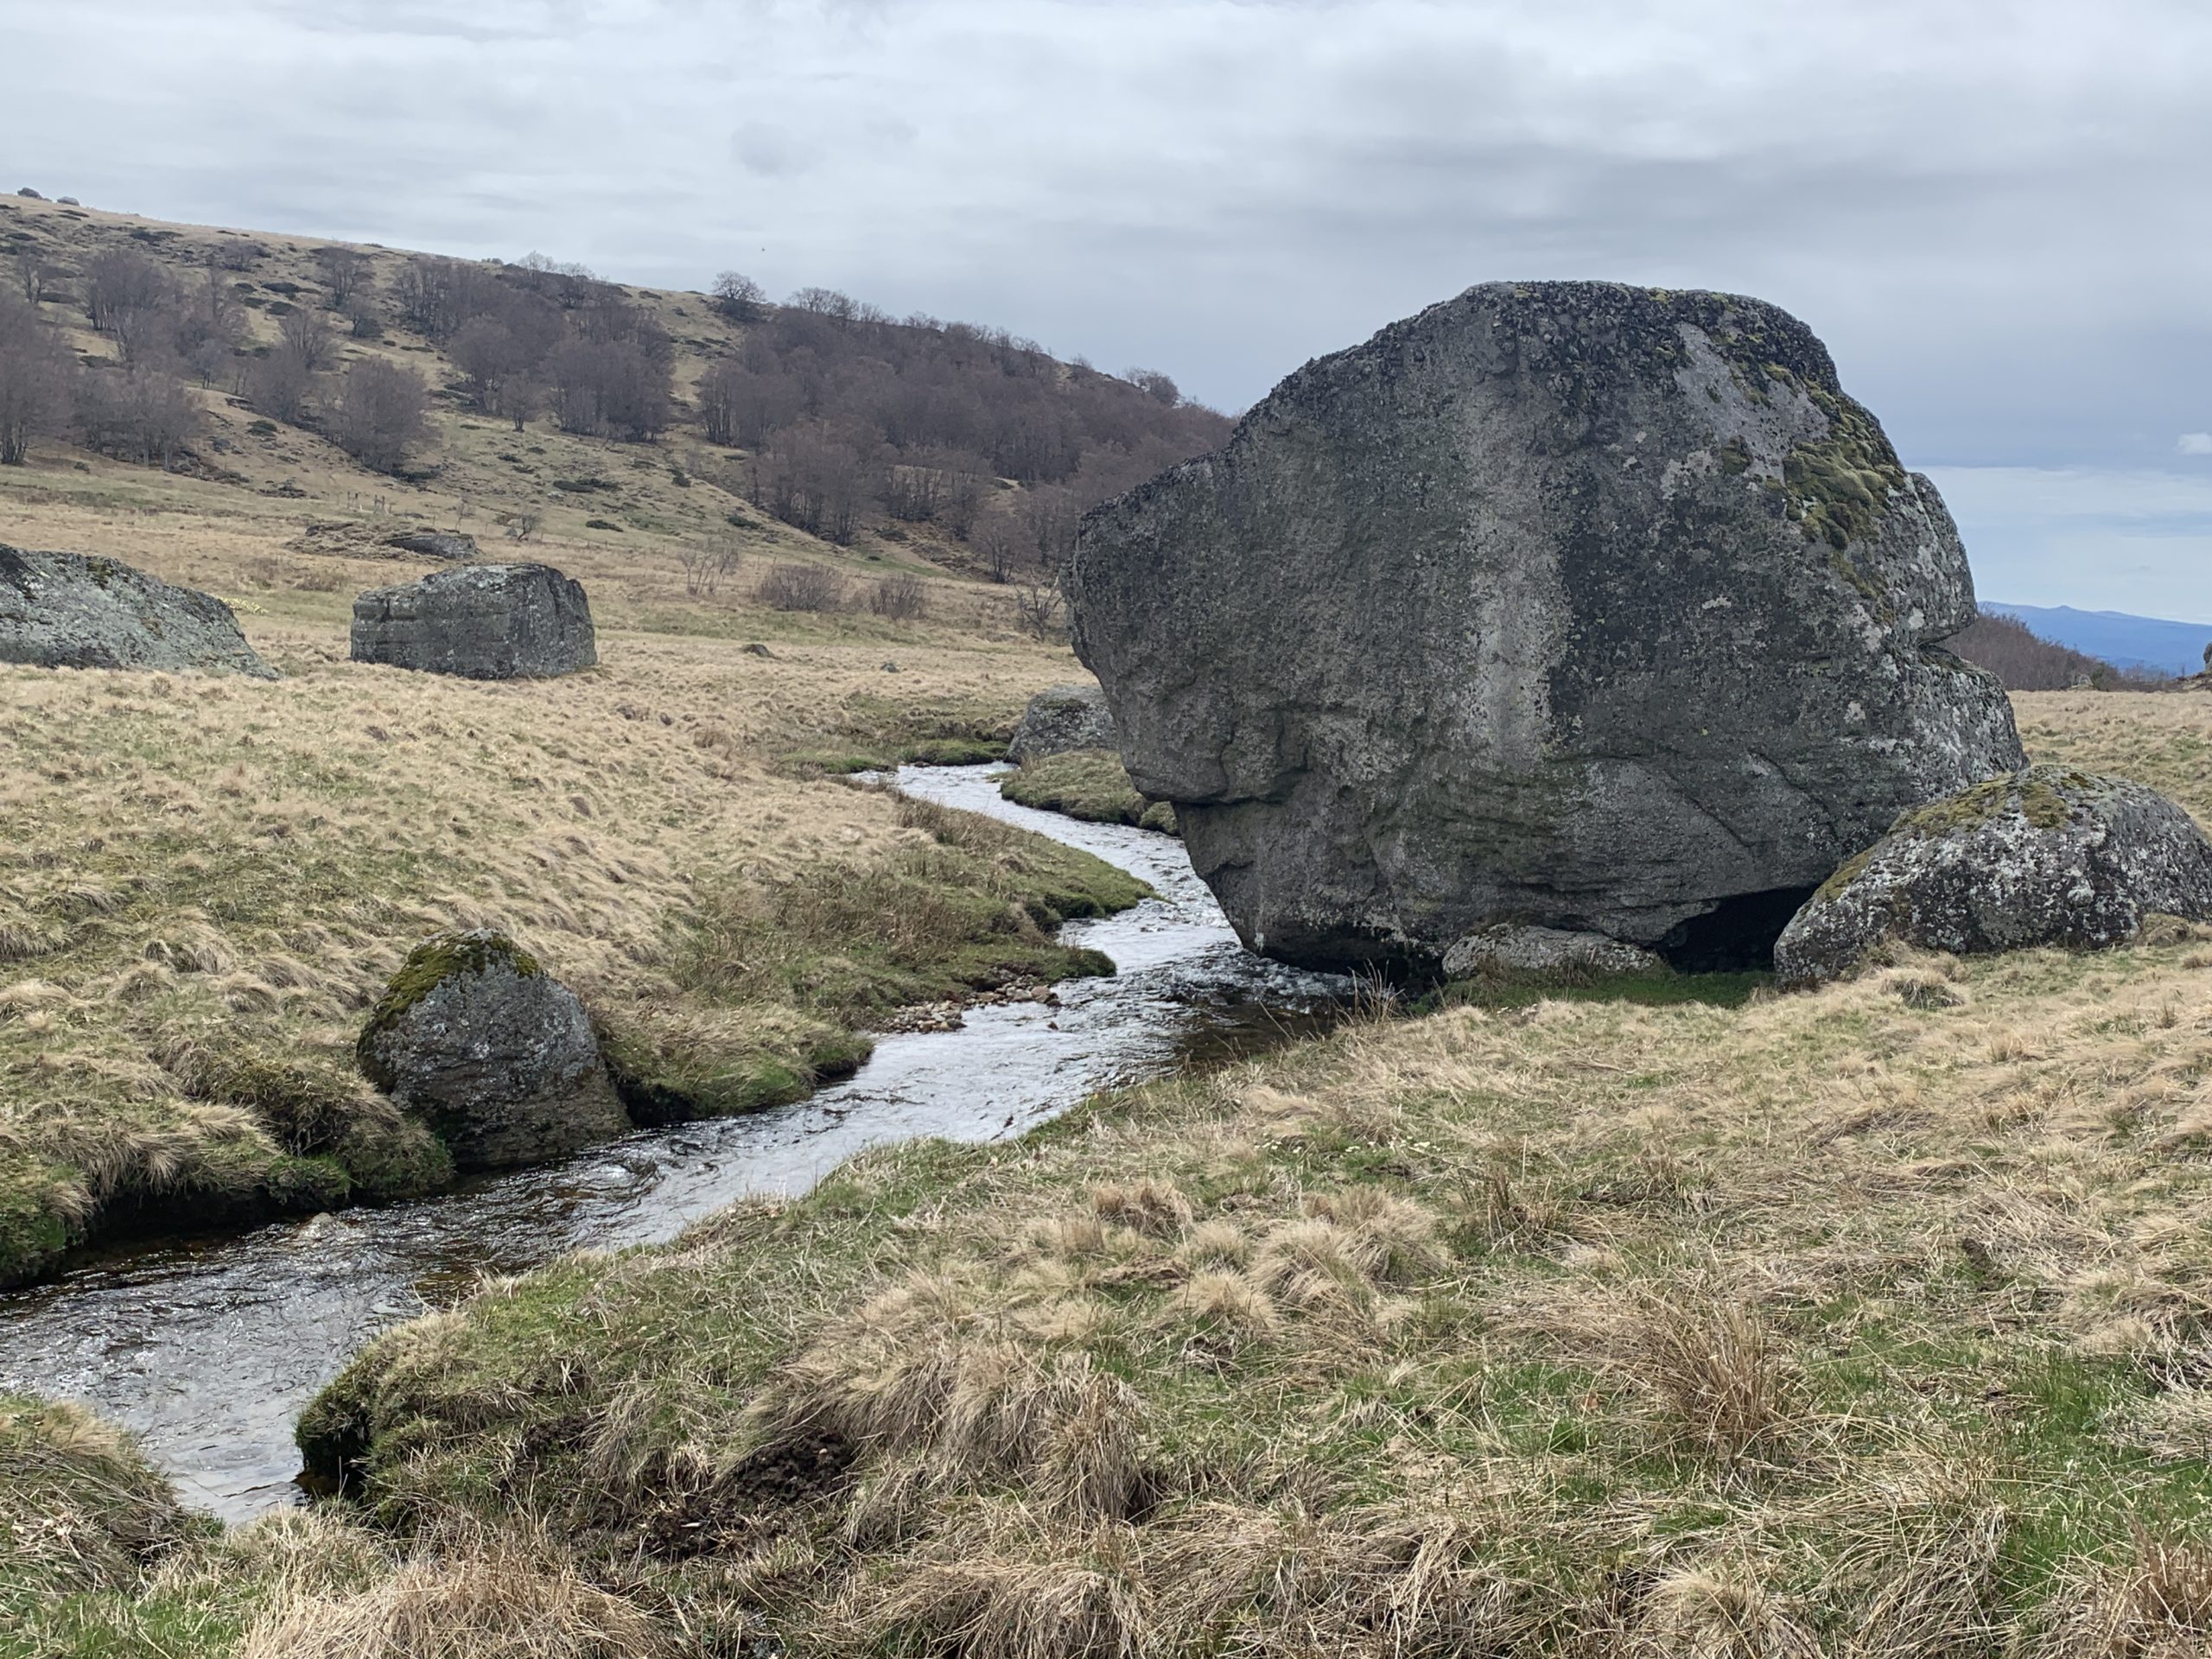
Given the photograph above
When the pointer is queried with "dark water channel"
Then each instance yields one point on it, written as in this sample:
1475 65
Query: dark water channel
208 1348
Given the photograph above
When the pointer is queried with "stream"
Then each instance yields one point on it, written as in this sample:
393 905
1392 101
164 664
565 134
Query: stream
208 1348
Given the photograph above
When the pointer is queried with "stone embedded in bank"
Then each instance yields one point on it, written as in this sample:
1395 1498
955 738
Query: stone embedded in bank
494 1054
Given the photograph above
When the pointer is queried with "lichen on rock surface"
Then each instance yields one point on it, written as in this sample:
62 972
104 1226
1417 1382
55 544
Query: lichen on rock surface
1060 720
480 622
2050 856
496 1055
64 610
1562 605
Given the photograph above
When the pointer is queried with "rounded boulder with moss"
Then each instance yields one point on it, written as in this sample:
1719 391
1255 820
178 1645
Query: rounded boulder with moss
1060 720
496 1055
2050 856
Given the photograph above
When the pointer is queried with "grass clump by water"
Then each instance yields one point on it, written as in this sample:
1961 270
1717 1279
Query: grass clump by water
1088 784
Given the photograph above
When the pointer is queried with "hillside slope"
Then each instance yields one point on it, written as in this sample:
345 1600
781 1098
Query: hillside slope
564 412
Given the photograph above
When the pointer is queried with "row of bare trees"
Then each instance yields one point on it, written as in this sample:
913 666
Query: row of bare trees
846 411
541 338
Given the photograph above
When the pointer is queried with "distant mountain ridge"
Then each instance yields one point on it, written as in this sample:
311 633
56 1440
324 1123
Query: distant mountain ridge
2124 641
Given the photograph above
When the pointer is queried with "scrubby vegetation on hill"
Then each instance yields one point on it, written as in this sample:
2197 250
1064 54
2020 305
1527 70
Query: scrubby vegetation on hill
137 341
2025 661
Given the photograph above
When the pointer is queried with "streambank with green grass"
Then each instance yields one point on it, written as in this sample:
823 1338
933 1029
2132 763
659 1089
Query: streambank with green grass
1087 784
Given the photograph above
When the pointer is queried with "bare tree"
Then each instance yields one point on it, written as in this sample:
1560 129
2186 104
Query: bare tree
902 598
1039 605
486 350
707 564
721 390
121 282
139 413
308 334
1000 541
32 268
738 297
34 372
1154 386
826 303
382 410
278 385
963 505
347 273
802 588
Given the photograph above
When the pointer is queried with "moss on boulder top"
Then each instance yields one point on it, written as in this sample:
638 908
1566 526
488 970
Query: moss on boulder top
495 1054
2050 856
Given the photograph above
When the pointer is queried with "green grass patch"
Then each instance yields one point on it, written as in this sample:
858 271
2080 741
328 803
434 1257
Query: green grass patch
1091 785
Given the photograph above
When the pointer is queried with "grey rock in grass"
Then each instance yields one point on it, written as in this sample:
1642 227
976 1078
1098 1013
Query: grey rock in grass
495 1054
2047 856
482 622
448 545
1567 605
1064 718
1510 949
64 610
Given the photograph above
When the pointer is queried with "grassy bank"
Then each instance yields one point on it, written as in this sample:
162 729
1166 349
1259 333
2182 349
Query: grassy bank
205 881
1869 1321
1087 784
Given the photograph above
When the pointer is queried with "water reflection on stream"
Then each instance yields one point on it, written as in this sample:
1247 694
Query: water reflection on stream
209 1348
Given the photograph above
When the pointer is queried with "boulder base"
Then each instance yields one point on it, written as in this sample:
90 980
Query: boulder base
1066 718
2048 856
1564 605
482 622
450 544
495 1054
63 610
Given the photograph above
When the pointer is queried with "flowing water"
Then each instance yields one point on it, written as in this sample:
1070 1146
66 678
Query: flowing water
208 1348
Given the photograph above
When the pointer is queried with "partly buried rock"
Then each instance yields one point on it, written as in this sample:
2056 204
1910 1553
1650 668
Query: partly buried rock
493 1052
451 545
482 622
1510 949
2049 855
1064 718
63 610
1587 607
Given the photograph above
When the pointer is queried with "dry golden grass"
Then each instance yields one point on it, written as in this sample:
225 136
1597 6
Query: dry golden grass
1868 1322
195 867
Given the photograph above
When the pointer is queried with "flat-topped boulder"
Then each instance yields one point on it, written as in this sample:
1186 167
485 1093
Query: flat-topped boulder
64 610
1061 720
482 622
494 1054
2050 856
1567 606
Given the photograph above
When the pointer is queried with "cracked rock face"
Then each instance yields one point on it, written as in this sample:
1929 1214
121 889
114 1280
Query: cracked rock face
482 622
2049 856
63 610
1567 605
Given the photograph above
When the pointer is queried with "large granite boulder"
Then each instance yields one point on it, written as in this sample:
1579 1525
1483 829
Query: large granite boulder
2049 855
1565 605
497 1056
63 610
1061 720
482 622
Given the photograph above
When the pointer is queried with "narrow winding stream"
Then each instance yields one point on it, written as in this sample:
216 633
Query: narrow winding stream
208 1348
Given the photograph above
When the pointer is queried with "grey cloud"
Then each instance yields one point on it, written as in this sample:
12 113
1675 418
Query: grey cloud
1992 213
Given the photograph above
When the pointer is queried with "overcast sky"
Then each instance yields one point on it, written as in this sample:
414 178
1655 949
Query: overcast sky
1995 213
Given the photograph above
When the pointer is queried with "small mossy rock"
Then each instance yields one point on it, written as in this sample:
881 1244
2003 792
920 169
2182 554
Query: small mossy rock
493 1052
2046 857
63 610
1066 717
482 622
